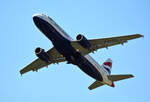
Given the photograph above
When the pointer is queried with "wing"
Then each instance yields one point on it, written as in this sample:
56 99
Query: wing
103 43
54 55
119 77
95 85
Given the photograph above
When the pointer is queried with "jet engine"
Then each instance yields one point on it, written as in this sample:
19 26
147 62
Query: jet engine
83 41
41 54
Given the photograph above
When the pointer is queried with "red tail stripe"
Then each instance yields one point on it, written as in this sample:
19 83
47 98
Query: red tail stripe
112 85
108 64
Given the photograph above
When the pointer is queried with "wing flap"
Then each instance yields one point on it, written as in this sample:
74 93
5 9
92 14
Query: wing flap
55 56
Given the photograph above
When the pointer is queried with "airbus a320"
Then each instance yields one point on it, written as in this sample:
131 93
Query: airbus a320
76 52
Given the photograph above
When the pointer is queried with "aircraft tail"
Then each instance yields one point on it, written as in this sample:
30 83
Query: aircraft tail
107 65
113 78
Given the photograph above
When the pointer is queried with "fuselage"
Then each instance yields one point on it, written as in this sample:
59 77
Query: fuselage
62 43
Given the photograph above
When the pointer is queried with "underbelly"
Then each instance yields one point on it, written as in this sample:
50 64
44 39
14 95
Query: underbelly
89 69
64 47
77 59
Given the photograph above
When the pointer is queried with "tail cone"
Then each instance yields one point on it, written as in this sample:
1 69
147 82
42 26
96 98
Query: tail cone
112 85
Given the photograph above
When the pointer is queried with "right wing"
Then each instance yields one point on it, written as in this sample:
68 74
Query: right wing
103 43
54 55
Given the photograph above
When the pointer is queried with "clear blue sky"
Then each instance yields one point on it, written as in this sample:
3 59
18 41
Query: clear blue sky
67 83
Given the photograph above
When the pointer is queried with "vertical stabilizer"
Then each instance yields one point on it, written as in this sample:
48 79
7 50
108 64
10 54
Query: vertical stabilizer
107 65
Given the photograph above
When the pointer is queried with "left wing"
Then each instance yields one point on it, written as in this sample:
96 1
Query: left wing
54 55
103 43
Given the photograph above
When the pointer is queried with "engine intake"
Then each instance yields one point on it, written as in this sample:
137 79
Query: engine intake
83 41
40 53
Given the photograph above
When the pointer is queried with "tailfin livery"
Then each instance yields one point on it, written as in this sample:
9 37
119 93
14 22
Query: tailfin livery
107 65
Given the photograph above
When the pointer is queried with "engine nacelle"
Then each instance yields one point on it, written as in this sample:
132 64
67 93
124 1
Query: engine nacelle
40 53
83 41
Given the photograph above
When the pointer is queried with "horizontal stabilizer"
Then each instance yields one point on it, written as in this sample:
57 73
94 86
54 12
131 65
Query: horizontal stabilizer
112 78
119 77
95 85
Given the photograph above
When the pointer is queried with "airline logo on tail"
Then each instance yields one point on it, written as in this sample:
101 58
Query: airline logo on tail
107 65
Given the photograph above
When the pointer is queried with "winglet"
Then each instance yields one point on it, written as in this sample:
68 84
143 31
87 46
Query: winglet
21 72
140 35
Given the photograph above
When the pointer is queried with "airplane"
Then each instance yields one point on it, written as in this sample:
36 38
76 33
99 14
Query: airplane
76 52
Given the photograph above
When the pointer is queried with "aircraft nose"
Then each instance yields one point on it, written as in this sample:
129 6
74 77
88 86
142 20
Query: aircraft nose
35 19
38 20
37 15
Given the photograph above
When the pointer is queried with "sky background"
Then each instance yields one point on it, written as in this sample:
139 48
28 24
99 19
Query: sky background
67 83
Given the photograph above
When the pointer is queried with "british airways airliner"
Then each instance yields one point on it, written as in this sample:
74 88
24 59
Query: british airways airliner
76 52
